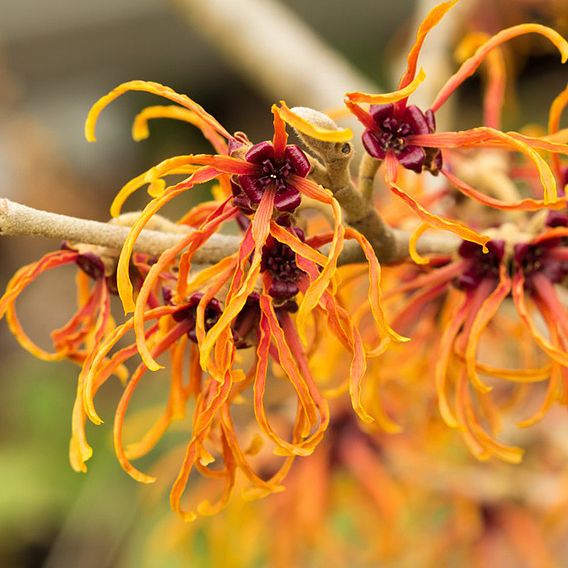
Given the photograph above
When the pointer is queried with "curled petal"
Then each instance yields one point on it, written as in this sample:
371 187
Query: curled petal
555 353
207 409
140 130
156 89
167 167
451 330
470 65
527 204
254 241
489 137
166 342
79 449
412 251
100 368
374 295
192 242
400 94
556 110
484 315
23 278
312 130
125 289
494 96
439 222
431 20
316 289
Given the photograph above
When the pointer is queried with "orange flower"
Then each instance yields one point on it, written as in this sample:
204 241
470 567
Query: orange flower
78 338
403 135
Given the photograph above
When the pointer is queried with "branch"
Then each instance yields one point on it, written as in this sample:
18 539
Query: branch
17 219
275 50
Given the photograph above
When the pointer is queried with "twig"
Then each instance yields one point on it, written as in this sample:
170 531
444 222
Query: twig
333 173
17 219
270 46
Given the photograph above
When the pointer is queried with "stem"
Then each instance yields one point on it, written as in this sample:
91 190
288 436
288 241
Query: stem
17 219
275 50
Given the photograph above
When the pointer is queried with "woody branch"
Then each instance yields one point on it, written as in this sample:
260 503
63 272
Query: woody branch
17 219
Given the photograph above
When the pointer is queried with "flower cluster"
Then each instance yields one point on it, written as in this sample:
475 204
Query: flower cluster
293 317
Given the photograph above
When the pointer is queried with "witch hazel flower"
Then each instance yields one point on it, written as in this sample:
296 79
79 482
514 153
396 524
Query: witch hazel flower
78 338
392 129
403 135
275 171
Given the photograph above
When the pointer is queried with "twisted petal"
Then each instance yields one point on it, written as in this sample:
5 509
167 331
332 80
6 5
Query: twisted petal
309 129
140 130
316 289
527 204
19 282
489 137
192 242
240 290
431 20
493 99
484 315
427 217
554 116
401 94
125 289
470 65
156 89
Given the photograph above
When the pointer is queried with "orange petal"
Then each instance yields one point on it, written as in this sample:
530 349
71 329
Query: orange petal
140 129
484 315
413 241
317 287
488 137
156 89
313 131
468 67
554 116
493 98
527 204
236 298
385 98
432 19
280 138
125 289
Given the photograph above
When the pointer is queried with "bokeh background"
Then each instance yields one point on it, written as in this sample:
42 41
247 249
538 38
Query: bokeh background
56 59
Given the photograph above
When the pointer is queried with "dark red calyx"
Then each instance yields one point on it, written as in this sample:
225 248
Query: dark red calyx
479 265
274 172
279 260
188 311
539 258
91 264
393 127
